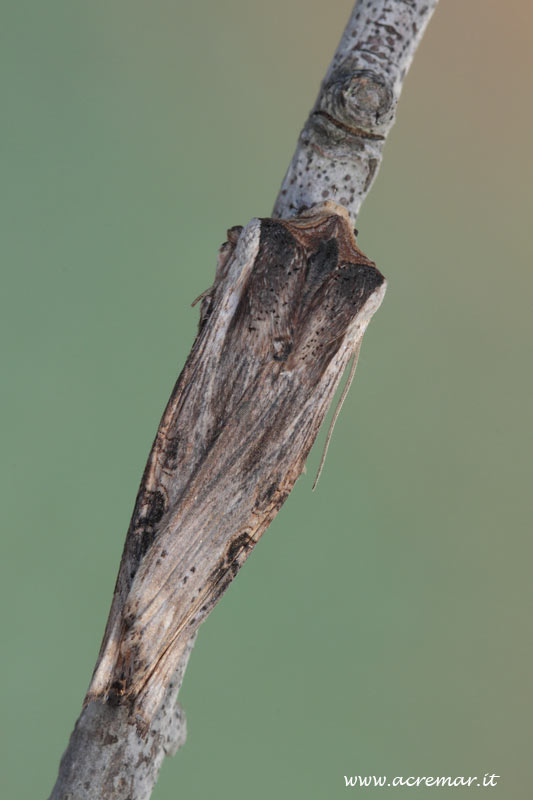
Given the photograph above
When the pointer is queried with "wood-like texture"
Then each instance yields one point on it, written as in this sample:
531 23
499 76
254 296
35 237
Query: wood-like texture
290 302
115 751
107 758
340 147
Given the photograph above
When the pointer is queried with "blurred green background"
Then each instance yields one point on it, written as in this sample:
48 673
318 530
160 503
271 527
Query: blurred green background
382 625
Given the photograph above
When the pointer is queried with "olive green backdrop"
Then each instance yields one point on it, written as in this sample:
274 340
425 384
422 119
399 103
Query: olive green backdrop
382 625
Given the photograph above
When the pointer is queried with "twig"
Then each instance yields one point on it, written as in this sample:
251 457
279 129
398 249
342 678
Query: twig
131 719
340 148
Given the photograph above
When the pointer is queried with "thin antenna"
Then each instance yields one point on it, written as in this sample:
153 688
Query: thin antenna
338 410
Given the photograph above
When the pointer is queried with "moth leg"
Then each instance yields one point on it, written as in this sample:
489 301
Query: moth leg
343 396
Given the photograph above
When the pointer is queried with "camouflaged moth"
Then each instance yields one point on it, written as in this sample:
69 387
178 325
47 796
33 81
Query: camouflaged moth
288 308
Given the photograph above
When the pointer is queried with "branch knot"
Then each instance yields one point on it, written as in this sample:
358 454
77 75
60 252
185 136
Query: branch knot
357 98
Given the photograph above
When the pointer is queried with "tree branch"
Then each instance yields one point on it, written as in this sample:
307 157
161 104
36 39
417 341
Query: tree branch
340 148
239 458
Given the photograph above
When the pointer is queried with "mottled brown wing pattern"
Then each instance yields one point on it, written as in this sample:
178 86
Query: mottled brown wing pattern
290 301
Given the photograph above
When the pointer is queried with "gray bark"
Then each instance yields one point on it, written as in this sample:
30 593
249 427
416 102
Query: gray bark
340 148
106 756
111 754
